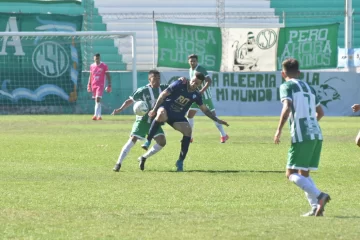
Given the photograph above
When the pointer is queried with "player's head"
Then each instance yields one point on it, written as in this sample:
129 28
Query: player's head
290 68
97 58
154 78
193 60
197 80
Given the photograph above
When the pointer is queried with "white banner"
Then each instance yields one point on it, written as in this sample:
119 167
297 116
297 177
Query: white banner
257 94
249 50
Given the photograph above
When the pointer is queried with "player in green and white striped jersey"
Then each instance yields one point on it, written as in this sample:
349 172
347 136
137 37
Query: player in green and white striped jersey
206 93
302 105
149 94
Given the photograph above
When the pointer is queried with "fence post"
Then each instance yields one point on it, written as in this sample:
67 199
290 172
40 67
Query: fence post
153 37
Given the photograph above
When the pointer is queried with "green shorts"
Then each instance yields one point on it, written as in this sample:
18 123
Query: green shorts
304 155
141 128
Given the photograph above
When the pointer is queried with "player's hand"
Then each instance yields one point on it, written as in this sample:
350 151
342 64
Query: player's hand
223 122
108 89
152 113
277 136
115 111
355 107
88 88
183 79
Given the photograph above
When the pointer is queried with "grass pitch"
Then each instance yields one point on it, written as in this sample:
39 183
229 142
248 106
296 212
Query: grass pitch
56 182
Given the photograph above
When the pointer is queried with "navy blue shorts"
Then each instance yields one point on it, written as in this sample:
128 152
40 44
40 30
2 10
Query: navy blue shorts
174 117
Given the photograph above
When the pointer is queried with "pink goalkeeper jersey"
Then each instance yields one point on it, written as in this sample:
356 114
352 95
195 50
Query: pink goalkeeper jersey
98 74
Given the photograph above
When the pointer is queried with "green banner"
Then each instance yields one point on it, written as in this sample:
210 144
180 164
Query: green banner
39 70
314 46
176 42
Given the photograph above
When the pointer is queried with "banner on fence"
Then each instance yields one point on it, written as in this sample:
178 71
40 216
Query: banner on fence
176 42
315 46
41 70
257 94
249 49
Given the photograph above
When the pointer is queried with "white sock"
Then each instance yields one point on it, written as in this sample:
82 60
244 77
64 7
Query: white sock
154 149
191 122
312 199
125 150
221 129
303 183
98 113
96 108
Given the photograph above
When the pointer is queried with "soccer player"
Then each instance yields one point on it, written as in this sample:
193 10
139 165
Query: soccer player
355 108
98 71
206 96
171 107
148 93
300 102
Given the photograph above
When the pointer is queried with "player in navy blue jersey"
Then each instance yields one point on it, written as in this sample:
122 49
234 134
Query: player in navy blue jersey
171 107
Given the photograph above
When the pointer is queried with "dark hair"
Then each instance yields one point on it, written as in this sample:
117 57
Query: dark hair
290 66
193 56
200 76
97 55
153 71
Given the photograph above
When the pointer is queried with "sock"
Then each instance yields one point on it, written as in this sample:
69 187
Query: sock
97 109
221 129
125 150
303 183
312 199
154 149
153 129
191 122
184 147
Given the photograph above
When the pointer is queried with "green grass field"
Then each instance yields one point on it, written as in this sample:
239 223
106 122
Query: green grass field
56 182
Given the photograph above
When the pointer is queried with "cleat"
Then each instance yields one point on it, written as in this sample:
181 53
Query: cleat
179 165
146 145
224 139
98 118
142 161
117 167
311 213
94 118
323 199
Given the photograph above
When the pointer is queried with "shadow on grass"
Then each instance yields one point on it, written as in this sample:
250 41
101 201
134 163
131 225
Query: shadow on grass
220 171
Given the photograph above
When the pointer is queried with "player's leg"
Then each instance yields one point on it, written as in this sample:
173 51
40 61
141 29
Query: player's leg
324 198
184 127
99 94
190 116
223 136
160 143
138 131
94 96
357 139
299 157
160 119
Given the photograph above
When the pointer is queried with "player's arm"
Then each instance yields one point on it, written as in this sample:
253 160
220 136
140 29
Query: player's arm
89 82
161 99
211 115
207 84
284 115
125 105
319 112
108 78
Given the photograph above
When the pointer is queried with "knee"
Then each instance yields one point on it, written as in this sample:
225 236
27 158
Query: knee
161 115
162 143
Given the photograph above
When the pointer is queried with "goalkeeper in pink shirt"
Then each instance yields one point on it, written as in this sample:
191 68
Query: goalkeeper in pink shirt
98 71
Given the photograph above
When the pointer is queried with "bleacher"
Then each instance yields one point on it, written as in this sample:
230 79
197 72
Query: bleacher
310 12
137 15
